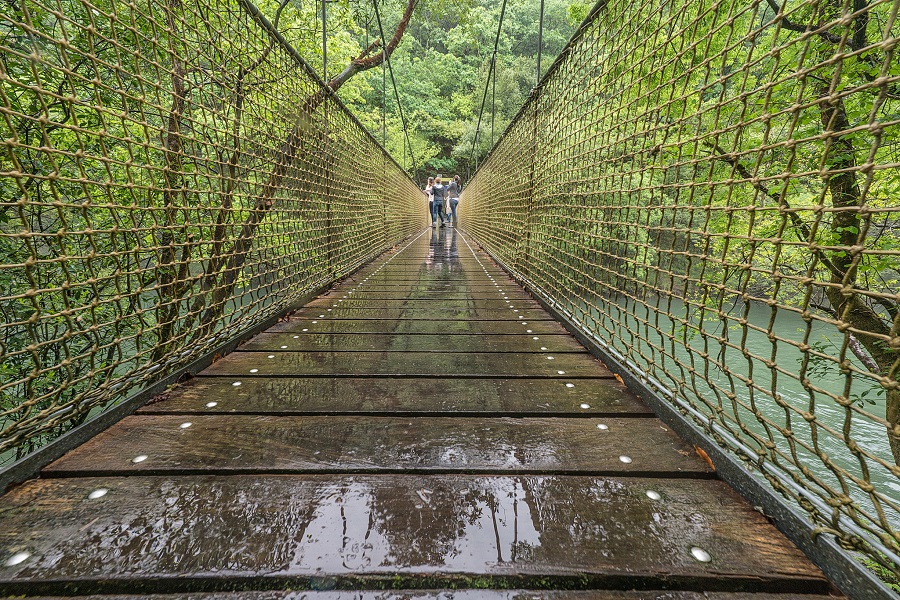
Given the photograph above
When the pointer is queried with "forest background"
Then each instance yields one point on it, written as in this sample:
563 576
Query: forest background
440 68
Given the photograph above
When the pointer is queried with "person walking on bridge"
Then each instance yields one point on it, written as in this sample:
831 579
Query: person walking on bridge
439 190
431 209
453 192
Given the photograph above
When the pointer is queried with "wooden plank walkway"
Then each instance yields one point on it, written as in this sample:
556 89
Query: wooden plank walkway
424 425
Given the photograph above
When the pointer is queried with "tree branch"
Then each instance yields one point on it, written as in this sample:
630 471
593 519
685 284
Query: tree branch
298 138
854 344
790 25
361 64
801 229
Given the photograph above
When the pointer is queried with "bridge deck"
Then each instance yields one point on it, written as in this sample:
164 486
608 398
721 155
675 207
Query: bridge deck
424 424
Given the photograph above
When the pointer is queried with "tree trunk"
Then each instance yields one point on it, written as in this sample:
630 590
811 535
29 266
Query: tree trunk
168 274
285 157
847 225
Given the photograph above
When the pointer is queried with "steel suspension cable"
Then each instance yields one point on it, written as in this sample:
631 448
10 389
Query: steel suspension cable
540 44
387 58
488 82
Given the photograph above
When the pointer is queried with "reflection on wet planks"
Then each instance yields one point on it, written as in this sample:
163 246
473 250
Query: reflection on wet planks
424 424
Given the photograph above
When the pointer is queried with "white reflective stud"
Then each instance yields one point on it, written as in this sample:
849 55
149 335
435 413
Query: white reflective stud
321 316
570 385
700 554
17 558
561 372
625 459
236 383
523 323
521 317
99 493
653 495
329 310
283 347
139 459
304 330
254 370
185 425
529 331
271 356
549 357
211 404
296 337
602 426
544 348
535 337
585 406
314 322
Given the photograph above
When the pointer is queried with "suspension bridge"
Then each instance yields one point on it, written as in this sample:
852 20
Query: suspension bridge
657 358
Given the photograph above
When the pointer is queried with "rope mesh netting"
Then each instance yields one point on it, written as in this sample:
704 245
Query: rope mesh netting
172 173
710 189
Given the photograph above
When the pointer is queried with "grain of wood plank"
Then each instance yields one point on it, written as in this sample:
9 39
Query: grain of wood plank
514 397
453 594
400 364
163 533
343 342
295 324
424 311
497 303
337 443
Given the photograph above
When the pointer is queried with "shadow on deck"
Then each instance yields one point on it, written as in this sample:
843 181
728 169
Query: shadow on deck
424 424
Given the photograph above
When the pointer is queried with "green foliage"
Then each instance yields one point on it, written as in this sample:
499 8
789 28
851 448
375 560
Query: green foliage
440 69
883 573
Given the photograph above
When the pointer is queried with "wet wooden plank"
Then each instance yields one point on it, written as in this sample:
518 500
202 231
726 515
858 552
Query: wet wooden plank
356 301
437 273
425 294
165 534
415 327
424 311
430 263
433 280
337 443
428 285
343 342
400 364
444 286
453 594
420 396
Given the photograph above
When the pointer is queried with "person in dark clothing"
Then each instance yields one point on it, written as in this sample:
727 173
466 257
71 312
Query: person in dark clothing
432 210
453 192
439 191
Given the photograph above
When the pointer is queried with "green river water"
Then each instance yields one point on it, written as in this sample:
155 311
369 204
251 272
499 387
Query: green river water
861 428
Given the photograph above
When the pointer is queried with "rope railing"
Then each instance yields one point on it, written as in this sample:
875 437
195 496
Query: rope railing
170 174
709 190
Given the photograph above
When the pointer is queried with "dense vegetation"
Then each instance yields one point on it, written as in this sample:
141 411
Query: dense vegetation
440 68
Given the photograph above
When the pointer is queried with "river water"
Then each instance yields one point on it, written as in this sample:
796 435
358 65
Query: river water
654 326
